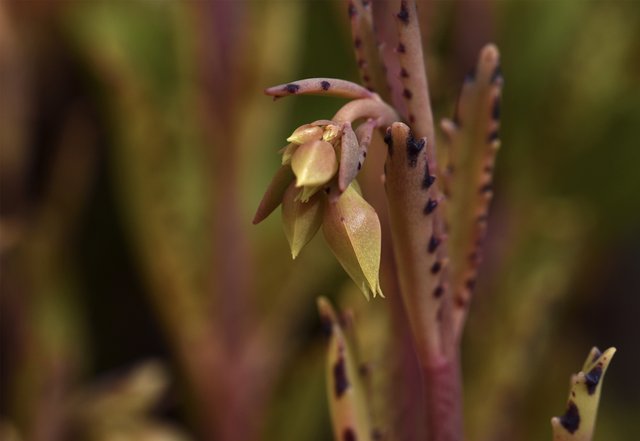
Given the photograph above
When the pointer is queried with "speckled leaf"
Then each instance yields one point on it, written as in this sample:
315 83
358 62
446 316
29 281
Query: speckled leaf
273 196
301 220
352 230
345 391
579 419
314 163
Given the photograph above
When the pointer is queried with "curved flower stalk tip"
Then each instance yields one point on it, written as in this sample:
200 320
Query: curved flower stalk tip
579 419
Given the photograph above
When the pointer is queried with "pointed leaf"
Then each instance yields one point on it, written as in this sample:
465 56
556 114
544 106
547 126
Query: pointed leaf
273 196
352 230
314 163
301 220
579 419
348 404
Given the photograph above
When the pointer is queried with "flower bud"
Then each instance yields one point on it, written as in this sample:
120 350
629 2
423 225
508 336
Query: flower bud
301 220
314 163
331 132
306 133
352 230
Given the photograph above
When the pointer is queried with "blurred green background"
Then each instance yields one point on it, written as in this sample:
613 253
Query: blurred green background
137 300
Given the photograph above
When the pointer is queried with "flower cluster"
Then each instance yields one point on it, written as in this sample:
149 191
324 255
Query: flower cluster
316 188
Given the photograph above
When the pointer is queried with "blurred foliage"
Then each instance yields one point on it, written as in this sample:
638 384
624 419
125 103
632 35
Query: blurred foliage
136 143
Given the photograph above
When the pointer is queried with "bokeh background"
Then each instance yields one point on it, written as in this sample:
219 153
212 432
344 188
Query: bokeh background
137 300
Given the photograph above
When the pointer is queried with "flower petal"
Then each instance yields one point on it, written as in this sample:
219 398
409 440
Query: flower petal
301 220
273 196
287 153
306 133
314 163
349 157
352 230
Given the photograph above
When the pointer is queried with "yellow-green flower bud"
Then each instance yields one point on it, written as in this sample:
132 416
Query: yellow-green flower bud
314 163
306 133
352 229
301 220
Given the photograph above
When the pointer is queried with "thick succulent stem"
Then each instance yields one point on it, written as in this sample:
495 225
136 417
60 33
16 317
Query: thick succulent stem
418 245
443 392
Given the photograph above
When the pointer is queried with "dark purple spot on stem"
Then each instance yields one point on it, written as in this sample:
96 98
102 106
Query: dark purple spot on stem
403 15
493 136
407 94
428 180
431 205
414 147
359 165
291 88
388 139
436 267
357 42
325 85
326 324
470 284
348 435
352 10
433 244
366 78
437 293
486 188
592 378
361 63
341 383
404 73
470 76
571 418
400 48
495 110
497 74
412 118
